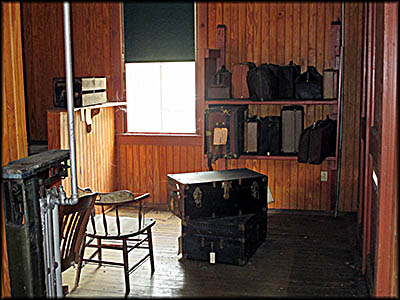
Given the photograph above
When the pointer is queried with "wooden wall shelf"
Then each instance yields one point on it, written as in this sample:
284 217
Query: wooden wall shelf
270 102
277 157
273 157
107 104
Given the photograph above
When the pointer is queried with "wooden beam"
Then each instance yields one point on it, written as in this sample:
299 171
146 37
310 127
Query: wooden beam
386 284
14 136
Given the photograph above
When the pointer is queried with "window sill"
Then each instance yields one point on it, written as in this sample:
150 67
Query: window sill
159 139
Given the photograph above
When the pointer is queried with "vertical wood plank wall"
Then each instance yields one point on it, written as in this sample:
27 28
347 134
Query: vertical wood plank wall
386 273
96 50
144 167
273 32
95 159
257 31
379 202
14 137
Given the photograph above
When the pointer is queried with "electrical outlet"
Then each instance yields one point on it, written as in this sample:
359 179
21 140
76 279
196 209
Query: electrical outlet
324 175
212 257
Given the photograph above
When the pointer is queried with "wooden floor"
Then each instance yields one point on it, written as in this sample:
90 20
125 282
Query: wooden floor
303 256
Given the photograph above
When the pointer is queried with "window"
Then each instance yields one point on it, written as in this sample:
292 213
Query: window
160 67
161 97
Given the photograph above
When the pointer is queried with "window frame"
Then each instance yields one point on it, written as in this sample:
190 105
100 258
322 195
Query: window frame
194 139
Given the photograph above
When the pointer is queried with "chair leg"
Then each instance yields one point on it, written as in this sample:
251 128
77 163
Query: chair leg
126 266
150 242
99 253
78 270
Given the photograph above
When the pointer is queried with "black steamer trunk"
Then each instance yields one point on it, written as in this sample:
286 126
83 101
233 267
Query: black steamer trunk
230 240
214 194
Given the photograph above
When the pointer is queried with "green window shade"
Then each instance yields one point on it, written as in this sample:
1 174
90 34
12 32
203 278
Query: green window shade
159 31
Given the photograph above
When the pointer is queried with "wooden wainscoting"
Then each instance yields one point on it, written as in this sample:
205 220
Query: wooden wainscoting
293 185
95 150
144 165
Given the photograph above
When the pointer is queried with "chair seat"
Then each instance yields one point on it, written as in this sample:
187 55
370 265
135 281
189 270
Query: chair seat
128 227
116 196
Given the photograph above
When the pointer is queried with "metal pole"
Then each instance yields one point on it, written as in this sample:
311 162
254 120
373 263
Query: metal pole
339 162
43 213
50 248
51 218
57 255
70 102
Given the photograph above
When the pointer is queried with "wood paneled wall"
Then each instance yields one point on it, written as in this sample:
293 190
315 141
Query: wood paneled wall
293 185
146 167
378 212
278 32
256 31
349 179
300 31
95 150
14 140
273 32
96 50
387 276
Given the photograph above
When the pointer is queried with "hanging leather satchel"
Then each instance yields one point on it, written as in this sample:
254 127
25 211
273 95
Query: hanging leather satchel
263 82
287 76
317 142
269 138
309 84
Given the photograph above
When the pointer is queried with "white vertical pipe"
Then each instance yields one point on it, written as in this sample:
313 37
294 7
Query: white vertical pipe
50 250
57 255
43 205
70 101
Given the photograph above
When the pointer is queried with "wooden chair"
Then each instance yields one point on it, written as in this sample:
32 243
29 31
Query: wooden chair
73 222
118 233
